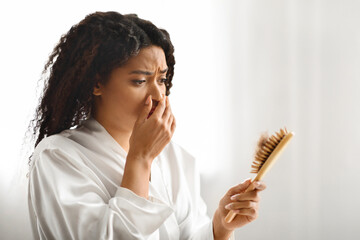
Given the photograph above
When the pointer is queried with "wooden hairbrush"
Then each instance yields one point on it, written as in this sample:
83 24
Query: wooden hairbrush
269 149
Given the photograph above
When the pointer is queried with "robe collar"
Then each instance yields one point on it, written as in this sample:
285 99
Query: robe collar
103 135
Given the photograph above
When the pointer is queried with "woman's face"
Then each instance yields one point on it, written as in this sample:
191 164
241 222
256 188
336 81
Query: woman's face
122 98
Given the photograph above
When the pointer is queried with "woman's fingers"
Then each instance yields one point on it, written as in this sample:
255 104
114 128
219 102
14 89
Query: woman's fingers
163 111
247 208
170 120
167 112
145 111
259 185
242 204
173 124
248 196
152 136
160 108
251 212
252 195
168 117
240 187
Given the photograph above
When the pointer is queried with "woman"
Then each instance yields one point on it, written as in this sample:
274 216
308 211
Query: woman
104 165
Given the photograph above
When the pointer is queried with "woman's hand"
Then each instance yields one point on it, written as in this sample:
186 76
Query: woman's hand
245 205
148 139
151 135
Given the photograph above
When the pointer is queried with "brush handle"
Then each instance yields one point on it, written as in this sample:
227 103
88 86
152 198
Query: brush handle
265 168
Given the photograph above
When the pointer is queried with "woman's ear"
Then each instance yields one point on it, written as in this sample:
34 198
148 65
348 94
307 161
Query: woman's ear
97 89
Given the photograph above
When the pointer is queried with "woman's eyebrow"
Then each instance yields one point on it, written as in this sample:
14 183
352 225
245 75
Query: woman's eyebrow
147 72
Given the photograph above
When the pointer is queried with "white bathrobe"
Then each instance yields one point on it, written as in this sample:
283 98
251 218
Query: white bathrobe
75 193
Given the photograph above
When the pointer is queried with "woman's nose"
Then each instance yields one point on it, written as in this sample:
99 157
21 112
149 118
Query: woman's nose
157 93
158 98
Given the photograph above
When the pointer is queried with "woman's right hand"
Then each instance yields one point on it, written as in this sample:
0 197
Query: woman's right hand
151 135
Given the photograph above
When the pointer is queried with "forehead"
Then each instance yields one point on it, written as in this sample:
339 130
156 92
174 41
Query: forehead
149 58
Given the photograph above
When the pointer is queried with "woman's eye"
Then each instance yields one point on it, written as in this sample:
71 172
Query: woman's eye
163 80
138 82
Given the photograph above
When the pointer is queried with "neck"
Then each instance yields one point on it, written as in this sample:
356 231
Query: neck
121 135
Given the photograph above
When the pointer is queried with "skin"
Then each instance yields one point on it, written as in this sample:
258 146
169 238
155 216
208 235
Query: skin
123 106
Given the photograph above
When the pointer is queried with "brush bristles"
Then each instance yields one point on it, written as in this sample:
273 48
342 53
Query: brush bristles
266 146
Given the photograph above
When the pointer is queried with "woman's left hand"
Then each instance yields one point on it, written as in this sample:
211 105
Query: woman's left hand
245 205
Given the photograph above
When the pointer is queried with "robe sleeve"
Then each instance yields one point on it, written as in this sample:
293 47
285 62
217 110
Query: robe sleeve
195 224
70 202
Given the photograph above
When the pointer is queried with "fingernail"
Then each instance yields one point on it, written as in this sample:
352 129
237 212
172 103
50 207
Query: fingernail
147 102
246 180
257 184
233 197
228 206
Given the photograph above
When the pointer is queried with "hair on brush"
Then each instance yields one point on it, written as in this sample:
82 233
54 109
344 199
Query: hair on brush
267 151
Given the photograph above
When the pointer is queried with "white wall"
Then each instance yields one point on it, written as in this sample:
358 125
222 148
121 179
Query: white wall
242 67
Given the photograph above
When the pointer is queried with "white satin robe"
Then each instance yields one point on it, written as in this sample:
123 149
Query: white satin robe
75 193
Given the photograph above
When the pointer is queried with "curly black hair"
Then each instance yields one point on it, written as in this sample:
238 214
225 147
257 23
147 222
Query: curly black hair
86 55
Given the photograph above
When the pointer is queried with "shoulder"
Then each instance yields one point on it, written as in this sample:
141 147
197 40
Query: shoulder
57 149
56 141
